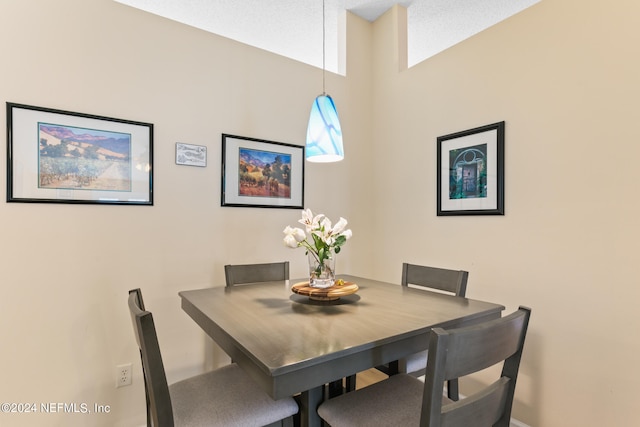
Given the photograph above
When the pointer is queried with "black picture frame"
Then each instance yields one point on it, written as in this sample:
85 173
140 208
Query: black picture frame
244 181
470 171
57 156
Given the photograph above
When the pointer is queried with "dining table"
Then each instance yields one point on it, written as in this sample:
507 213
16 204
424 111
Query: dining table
291 344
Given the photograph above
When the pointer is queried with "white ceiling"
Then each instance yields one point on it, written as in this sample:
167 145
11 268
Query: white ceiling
293 28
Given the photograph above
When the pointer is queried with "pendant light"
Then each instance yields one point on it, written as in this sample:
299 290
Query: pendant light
324 135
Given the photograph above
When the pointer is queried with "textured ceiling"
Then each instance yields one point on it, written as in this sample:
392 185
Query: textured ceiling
293 28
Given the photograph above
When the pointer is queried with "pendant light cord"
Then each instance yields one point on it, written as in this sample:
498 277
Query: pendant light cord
323 49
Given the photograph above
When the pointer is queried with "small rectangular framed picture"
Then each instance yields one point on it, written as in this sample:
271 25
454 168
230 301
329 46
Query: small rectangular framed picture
56 156
191 155
261 173
470 172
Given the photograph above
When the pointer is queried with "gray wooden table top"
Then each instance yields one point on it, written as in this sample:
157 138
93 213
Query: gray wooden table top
289 344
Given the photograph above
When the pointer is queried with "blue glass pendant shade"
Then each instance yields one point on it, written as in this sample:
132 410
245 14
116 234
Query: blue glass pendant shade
324 135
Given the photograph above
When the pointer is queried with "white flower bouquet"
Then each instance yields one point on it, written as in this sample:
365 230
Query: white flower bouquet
324 240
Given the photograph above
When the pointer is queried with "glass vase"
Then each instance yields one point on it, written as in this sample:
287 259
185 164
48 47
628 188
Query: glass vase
321 275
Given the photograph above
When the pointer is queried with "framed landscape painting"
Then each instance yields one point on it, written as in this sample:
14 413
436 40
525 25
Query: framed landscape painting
260 173
470 172
56 156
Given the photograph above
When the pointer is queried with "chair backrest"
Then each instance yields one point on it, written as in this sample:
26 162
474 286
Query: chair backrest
459 352
454 281
252 273
159 411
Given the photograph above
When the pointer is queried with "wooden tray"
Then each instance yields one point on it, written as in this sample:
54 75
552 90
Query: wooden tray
327 294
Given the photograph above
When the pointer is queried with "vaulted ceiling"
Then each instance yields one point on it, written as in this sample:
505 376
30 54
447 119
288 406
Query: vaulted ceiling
293 28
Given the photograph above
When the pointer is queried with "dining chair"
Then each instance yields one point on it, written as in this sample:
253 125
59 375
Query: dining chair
452 354
252 273
426 278
223 397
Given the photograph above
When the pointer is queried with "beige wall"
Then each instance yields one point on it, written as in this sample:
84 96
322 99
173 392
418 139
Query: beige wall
561 74
66 269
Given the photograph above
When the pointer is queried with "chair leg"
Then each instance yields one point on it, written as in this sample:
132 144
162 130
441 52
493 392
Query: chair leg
393 368
390 368
452 390
350 383
287 422
296 419
335 388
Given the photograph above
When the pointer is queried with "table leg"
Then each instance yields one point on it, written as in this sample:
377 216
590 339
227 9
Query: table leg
310 400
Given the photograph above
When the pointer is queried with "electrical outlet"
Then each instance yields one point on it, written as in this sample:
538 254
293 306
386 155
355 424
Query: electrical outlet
123 375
